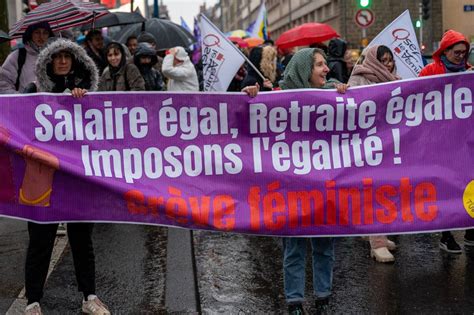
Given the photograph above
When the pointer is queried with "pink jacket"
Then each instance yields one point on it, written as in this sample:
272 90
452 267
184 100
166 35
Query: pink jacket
9 71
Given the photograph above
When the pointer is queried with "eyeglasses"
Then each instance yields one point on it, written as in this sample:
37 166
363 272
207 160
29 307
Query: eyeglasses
459 53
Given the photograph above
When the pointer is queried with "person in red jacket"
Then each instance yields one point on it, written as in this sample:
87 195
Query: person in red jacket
450 57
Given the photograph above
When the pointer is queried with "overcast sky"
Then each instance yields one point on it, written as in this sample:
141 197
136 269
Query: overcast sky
188 9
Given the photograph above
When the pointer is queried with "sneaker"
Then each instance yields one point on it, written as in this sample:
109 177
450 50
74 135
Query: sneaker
94 306
391 245
295 309
33 309
61 231
469 238
322 306
382 255
449 245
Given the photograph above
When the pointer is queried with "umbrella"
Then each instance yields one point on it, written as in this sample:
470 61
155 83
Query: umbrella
238 33
60 14
306 34
4 37
115 18
239 41
254 41
167 34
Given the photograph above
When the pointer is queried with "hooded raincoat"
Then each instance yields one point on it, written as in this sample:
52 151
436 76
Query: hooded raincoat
449 39
182 77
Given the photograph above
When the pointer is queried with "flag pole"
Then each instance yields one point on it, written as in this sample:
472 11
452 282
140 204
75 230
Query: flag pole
241 53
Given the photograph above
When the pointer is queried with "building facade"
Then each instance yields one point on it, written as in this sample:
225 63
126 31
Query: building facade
459 15
340 14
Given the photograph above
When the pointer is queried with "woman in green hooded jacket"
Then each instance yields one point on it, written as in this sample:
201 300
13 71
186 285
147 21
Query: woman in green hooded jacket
306 70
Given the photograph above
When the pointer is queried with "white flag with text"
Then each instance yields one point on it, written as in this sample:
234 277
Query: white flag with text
400 37
220 58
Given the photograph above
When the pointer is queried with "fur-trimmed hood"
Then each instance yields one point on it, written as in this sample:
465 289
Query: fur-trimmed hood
84 67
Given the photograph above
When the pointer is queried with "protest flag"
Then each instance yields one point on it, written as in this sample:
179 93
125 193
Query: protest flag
197 45
400 37
185 25
220 58
259 27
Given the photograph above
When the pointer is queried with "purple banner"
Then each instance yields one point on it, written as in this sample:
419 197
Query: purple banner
390 158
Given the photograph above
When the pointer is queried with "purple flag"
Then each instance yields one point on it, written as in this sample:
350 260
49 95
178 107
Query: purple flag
196 57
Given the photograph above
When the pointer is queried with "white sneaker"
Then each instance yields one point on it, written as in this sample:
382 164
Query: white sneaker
33 309
94 306
382 254
391 245
61 231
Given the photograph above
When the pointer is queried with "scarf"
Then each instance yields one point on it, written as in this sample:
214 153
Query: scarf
374 70
452 67
298 71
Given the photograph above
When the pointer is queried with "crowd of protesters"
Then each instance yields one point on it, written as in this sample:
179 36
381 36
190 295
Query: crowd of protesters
58 65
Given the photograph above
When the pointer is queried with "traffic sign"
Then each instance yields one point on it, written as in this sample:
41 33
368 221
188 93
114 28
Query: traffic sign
364 18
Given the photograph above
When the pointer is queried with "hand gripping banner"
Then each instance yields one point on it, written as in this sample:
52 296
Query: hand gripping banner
390 158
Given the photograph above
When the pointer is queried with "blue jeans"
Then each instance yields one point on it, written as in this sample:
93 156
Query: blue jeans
294 263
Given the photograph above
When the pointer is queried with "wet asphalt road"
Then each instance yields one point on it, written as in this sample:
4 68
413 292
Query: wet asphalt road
13 242
246 277
240 274
130 269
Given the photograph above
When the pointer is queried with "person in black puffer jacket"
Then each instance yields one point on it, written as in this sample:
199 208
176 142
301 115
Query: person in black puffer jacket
145 59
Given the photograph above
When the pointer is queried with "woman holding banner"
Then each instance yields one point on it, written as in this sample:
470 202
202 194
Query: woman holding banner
308 69
62 66
451 57
377 67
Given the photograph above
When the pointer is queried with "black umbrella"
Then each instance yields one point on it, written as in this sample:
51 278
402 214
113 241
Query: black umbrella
166 33
115 18
4 37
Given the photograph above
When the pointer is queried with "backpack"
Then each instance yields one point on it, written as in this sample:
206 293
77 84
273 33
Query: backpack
21 62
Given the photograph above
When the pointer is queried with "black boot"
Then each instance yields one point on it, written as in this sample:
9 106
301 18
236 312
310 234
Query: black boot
469 238
449 244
